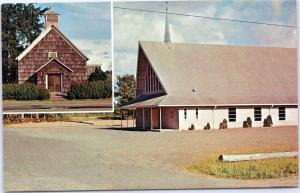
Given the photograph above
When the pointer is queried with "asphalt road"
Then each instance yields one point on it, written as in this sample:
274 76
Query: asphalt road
85 157
54 106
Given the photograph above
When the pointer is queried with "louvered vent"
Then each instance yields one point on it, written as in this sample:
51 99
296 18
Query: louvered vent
52 55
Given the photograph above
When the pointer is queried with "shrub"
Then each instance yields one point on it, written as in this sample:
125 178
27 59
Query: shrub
245 124
57 117
268 122
249 121
223 124
90 90
97 75
192 127
207 127
25 92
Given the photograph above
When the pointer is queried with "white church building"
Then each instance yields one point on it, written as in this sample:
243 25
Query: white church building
179 85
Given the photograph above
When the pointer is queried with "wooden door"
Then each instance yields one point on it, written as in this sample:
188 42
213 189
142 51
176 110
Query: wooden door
54 82
155 118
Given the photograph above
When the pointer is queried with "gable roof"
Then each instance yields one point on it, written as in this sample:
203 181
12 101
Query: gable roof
42 35
59 62
223 74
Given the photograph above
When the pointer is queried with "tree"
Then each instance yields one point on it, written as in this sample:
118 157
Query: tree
125 89
20 26
97 75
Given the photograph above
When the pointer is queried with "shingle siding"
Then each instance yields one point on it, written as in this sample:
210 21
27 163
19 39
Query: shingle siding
38 56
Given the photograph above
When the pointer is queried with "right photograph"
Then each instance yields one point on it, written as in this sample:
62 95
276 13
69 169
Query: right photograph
218 81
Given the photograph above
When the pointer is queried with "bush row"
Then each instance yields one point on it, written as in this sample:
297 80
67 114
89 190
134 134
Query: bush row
35 118
25 92
90 90
246 124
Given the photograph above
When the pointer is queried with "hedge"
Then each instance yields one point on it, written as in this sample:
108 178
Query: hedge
25 92
90 90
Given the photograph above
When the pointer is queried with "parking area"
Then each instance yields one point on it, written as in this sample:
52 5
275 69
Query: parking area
94 157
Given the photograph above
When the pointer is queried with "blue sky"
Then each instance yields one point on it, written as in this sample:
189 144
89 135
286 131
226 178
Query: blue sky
132 26
88 26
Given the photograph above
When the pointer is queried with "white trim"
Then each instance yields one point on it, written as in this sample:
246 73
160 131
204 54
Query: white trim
51 61
46 81
42 35
209 105
61 82
49 55
225 105
36 41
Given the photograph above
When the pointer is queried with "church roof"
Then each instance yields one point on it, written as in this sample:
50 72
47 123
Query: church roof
203 74
42 35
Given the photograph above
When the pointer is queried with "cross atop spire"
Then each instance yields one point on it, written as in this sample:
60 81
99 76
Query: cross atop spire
167 38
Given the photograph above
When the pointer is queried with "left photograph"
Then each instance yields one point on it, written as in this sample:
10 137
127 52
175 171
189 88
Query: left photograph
56 57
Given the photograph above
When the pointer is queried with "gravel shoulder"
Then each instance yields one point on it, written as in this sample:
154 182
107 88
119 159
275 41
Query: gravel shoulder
89 157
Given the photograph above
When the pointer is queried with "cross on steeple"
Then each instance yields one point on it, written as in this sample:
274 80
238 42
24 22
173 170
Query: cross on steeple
167 38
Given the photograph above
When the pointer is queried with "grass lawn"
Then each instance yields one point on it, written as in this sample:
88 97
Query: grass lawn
258 169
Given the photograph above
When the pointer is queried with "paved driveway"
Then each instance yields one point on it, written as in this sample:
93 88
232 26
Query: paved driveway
85 157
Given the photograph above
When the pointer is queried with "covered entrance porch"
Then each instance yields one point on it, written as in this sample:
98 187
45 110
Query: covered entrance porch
157 118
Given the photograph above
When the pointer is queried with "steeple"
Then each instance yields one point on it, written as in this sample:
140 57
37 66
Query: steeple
167 38
51 18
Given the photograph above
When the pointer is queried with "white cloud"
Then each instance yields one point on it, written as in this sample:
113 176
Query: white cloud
132 26
98 52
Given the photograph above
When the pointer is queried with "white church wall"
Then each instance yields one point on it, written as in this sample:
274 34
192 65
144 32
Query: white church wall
216 116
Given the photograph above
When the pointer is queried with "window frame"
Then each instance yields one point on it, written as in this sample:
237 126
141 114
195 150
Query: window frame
185 113
232 114
257 117
281 113
197 113
49 55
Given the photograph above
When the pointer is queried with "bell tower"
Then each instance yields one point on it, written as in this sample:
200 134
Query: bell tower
51 18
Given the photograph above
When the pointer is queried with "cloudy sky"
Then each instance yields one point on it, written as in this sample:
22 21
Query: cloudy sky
88 26
132 26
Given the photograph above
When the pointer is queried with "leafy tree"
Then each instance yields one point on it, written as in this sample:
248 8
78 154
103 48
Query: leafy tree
125 89
97 75
21 24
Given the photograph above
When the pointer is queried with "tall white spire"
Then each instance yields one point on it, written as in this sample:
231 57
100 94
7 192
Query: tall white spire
167 38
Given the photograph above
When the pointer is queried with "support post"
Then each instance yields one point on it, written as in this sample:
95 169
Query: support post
214 117
127 119
160 125
151 120
144 118
121 118
133 118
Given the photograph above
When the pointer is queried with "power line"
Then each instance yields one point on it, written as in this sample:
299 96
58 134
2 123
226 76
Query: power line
207 17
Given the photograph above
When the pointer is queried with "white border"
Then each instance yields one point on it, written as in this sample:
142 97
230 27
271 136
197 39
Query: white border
112 60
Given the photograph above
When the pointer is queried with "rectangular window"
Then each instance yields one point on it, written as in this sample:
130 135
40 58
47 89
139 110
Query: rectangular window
185 113
257 113
196 113
281 113
52 55
232 114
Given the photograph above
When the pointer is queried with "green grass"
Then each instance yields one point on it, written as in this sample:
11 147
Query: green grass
258 169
